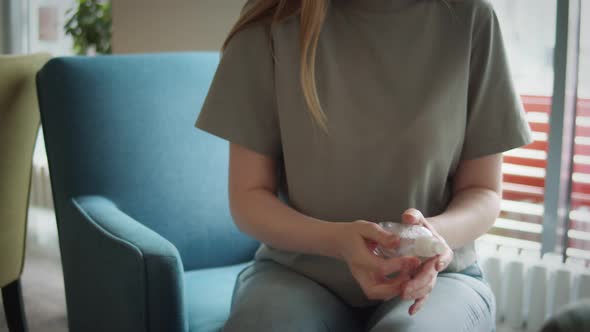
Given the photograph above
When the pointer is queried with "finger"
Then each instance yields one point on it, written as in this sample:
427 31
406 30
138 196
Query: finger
444 260
427 224
379 278
382 279
371 262
384 267
412 217
431 228
387 290
373 232
371 245
422 292
422 279
417 305
403 263
398 281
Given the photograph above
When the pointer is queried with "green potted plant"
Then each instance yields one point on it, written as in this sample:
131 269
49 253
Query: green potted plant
89 24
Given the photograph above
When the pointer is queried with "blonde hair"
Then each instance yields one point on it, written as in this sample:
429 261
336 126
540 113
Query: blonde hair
312 14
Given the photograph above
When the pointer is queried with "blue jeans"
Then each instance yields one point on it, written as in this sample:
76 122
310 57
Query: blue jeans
270 297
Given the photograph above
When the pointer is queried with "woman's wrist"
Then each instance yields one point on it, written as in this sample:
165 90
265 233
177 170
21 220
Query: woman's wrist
329 237
310 236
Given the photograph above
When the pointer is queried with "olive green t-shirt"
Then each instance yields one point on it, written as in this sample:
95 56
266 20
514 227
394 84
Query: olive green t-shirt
410 88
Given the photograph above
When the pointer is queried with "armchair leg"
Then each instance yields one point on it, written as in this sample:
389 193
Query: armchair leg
12 297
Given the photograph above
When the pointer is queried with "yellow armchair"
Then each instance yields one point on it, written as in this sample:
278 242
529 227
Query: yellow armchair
19 122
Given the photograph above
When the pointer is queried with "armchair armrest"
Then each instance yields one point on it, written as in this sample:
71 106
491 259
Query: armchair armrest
120 275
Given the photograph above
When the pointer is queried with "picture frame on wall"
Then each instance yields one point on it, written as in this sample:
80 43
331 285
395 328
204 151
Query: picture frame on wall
48 23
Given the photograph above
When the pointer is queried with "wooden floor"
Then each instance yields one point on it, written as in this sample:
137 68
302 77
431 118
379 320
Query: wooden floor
42 280
44 299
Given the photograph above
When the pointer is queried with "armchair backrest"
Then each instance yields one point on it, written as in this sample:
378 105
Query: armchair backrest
123 127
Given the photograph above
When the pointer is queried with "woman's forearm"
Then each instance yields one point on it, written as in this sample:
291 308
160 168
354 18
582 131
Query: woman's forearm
263 216
259 213
470 214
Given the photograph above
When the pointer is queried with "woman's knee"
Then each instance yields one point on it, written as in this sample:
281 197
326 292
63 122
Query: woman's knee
456 304
270 318
283 314
269 297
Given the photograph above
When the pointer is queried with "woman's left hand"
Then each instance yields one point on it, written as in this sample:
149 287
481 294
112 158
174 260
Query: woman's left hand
422 283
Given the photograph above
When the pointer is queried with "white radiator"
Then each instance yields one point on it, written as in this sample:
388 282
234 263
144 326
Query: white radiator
529 289
40 185
42 238
40 196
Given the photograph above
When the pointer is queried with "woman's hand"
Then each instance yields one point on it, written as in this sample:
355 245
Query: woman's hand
356 242
424 280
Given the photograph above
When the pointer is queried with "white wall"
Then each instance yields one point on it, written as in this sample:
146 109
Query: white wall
173 25
2 26
584 83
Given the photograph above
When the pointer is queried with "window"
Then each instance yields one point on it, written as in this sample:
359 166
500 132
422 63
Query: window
528 28
578 244
531 29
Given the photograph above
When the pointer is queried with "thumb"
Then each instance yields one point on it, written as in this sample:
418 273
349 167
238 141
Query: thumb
412 217
375 233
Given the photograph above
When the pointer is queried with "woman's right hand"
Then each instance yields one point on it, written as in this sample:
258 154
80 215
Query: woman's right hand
356 242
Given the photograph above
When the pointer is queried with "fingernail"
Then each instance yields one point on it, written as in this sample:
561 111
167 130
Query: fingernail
440 266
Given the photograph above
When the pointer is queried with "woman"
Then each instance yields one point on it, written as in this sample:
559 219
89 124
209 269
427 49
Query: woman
344 113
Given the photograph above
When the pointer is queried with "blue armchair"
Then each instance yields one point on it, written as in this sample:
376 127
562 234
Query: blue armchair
146 236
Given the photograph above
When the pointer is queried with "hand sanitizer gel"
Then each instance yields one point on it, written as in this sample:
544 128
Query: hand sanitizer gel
415 240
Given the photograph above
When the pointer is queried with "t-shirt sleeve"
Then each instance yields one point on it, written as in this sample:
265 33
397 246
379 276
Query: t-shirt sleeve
240 105
496 119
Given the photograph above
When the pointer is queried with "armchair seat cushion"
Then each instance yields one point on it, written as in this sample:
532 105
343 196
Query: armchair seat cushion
208 294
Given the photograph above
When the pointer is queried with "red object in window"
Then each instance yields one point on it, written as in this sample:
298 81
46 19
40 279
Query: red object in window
524 180
530 187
